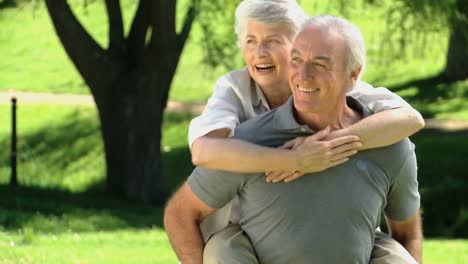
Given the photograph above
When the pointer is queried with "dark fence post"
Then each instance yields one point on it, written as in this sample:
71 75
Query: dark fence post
13 179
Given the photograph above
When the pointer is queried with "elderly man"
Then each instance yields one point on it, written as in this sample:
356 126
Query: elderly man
328 216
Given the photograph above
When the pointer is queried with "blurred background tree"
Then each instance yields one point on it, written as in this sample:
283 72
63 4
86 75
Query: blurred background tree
130 81
410 20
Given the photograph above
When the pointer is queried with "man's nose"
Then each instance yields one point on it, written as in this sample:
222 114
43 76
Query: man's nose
306 72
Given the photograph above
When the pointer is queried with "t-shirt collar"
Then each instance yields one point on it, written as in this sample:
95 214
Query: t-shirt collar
285 120
258 97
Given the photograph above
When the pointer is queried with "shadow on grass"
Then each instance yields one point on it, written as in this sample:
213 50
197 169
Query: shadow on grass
434 94
53 210
49 210
442 167
66 150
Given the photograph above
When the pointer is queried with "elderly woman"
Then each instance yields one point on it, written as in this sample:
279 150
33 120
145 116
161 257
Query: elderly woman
265 31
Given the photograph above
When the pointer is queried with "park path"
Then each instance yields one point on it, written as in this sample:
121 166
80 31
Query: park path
176 106
77 99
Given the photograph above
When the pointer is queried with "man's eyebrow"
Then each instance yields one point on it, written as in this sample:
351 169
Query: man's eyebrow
269 36
295 51
324 58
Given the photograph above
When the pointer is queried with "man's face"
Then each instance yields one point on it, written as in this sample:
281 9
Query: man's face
317 71
266 53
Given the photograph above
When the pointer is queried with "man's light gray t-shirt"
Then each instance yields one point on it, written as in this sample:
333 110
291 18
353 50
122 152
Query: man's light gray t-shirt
323 217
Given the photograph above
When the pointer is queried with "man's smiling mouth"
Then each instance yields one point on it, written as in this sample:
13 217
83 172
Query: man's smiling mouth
307 90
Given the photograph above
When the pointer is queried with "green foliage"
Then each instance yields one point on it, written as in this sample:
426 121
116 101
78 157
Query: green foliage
30 47
216 20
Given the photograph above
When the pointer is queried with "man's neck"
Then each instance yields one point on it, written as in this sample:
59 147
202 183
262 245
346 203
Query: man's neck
337 117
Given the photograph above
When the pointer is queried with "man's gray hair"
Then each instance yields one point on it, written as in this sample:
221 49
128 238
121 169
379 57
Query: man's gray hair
356 57
270 12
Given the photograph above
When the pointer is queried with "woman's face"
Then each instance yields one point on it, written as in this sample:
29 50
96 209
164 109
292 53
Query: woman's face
266 53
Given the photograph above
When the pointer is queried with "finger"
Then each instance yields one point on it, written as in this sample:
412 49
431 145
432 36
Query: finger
273 175
337 162
343 140
321 134
288 145
346 147
343 155
293 177
279 177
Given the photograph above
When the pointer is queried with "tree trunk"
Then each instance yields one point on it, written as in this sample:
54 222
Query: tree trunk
131 129
457 55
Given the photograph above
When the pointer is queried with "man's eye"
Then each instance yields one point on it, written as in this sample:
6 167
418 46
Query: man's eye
319 65
250 41
296 59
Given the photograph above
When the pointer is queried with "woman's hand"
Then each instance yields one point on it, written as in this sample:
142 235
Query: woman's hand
313 154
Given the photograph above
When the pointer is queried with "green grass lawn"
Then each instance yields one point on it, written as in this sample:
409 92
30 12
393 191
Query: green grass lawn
61 214
147 246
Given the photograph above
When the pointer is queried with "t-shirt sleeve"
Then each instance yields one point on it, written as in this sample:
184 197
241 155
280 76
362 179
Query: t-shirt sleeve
403 199
377 99
215 187
223 110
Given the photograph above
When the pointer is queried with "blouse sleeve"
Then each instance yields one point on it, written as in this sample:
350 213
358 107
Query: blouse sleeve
377 99
223 110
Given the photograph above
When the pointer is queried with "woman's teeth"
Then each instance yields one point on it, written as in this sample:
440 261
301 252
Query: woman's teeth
264 67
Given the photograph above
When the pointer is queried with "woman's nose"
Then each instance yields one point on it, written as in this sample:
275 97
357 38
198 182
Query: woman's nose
262 50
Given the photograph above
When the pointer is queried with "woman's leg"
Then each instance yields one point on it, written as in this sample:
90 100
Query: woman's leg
229 245
388 251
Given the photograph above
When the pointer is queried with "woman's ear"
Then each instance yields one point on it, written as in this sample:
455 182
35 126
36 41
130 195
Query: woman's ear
355 73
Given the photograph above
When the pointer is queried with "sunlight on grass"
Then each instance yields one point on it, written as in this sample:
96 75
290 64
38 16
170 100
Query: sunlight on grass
149 246
41 143
122 246
445 251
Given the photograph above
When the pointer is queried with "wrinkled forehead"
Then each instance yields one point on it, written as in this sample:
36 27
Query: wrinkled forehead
254 27
316 39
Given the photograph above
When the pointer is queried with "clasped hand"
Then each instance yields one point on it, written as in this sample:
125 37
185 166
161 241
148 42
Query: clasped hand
316 153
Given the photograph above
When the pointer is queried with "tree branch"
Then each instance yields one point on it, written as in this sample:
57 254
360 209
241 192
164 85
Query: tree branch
163 37
89 58
138 30
116 31
187 27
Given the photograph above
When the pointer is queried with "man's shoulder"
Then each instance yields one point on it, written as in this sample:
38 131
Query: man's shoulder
391 158
256 127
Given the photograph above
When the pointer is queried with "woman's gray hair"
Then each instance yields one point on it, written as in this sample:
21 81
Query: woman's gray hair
271 12
356 56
